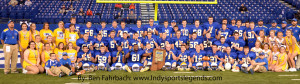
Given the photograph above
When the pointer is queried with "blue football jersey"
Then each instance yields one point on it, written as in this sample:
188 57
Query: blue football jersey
207 42
86 54
176 42
150 28
232 55
276 29
212 58
98 44
52 63
126 43
92 32
225 33
135 56
266 30
167 30
251 55
184 31
132 42
240 30
221 46
169 57
102 57
150 41
193 43
199 30
126 29
119 56
162 42
198 56
140 31
81 42
112 46
106 32
212 27
237 43
184 56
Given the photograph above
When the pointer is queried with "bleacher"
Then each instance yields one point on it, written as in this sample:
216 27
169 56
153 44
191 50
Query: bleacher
48 11
295 3
267 10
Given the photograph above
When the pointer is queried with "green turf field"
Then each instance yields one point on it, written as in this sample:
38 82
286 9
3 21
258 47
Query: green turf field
227 77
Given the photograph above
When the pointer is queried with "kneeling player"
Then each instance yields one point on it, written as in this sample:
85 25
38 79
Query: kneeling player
229 61
183 59
246 59
118 62
147 61
134 58
215 58
170 62
196 58
103 59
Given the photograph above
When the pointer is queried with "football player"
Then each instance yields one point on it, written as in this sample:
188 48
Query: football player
229 60
194 41
239 28
106 31
224 31
173 23
133 59
208 41
137 29
89 30
246 59
118 63
99 42
125 42
103 59
150 28
151 40
136 40
211 27
250 35
196 58
86 59
147 61
184 29
183 60
198 29
113 41
216 57
103 26
233 24
170 60
163 41
178 41
222 44
122 30
84 42
166 29
73 21
236 43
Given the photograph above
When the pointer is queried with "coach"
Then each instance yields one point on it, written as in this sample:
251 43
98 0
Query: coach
9 39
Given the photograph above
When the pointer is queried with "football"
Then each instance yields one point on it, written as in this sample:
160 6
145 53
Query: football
205 58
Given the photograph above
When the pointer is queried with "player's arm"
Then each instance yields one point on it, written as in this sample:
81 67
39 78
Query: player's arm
109 59
293 44
173 56
190 61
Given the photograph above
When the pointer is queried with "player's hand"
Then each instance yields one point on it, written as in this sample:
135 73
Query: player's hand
194 56
219 32
119 31
115 41
252 32
91 43
139 40
180 42
90 55
216 56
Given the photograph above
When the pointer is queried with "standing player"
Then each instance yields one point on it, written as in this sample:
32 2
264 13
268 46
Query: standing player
106 31
150 28
239 28
184 29
89 30
208 42
173 23
250 35
138 29
103 26
178 41
233 24
115 27
261 26
123 30
198 29
133 59
73 21
194 41
211 27
166 29
236 43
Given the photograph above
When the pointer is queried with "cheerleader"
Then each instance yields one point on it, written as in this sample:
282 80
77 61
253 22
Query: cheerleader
59 33
33 31
281 64
59 51
273 58
257 49
45 32
24 36
262 38
45 55
280 39
266 50
292 48
72 35
272 38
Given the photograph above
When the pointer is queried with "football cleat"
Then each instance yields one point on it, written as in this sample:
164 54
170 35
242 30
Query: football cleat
127 69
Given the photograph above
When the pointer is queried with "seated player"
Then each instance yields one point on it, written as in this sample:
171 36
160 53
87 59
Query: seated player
99 42
215 58
163 41
281 64
151 40
147 61
170 60
118 62
103 59
194 41
183 59
85 59
229 61
236 43
133 59
54 68
196 58
246 59
260 64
